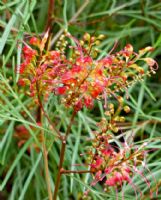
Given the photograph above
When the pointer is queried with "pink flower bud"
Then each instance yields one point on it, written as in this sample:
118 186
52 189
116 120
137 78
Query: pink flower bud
110 182
34 41
61 90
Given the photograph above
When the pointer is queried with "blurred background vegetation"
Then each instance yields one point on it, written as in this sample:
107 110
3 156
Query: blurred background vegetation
21 163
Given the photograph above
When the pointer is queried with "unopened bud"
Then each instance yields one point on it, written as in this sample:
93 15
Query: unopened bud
81 42
115 129
97 42
101 37
120 99
86 36
122 119
127 109
111 106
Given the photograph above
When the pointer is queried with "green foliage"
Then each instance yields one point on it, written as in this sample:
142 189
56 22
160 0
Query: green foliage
21 166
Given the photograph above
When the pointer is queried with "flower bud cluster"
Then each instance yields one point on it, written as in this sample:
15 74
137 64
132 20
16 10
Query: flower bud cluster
111 164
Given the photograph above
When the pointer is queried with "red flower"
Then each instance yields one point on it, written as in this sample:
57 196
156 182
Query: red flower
34 41
54 54
110 182
21 82
88 101
61 90
97 163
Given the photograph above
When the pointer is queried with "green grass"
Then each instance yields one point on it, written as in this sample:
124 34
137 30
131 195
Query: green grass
22 172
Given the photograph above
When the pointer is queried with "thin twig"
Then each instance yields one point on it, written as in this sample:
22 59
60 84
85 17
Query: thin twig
80 10
63 171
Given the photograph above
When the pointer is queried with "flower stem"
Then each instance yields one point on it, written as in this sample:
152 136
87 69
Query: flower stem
62 153
50 13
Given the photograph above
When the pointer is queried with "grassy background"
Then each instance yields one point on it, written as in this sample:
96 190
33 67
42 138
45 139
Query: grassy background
21 172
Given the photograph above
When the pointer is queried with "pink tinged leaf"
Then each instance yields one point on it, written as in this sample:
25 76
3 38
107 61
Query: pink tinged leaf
43 41
145 50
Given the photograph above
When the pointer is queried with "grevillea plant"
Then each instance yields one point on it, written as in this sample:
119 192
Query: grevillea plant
77 73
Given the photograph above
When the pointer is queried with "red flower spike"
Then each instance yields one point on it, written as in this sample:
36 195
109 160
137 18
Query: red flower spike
81 75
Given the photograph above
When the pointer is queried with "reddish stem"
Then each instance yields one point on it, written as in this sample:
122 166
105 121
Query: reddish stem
62 153
50 13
